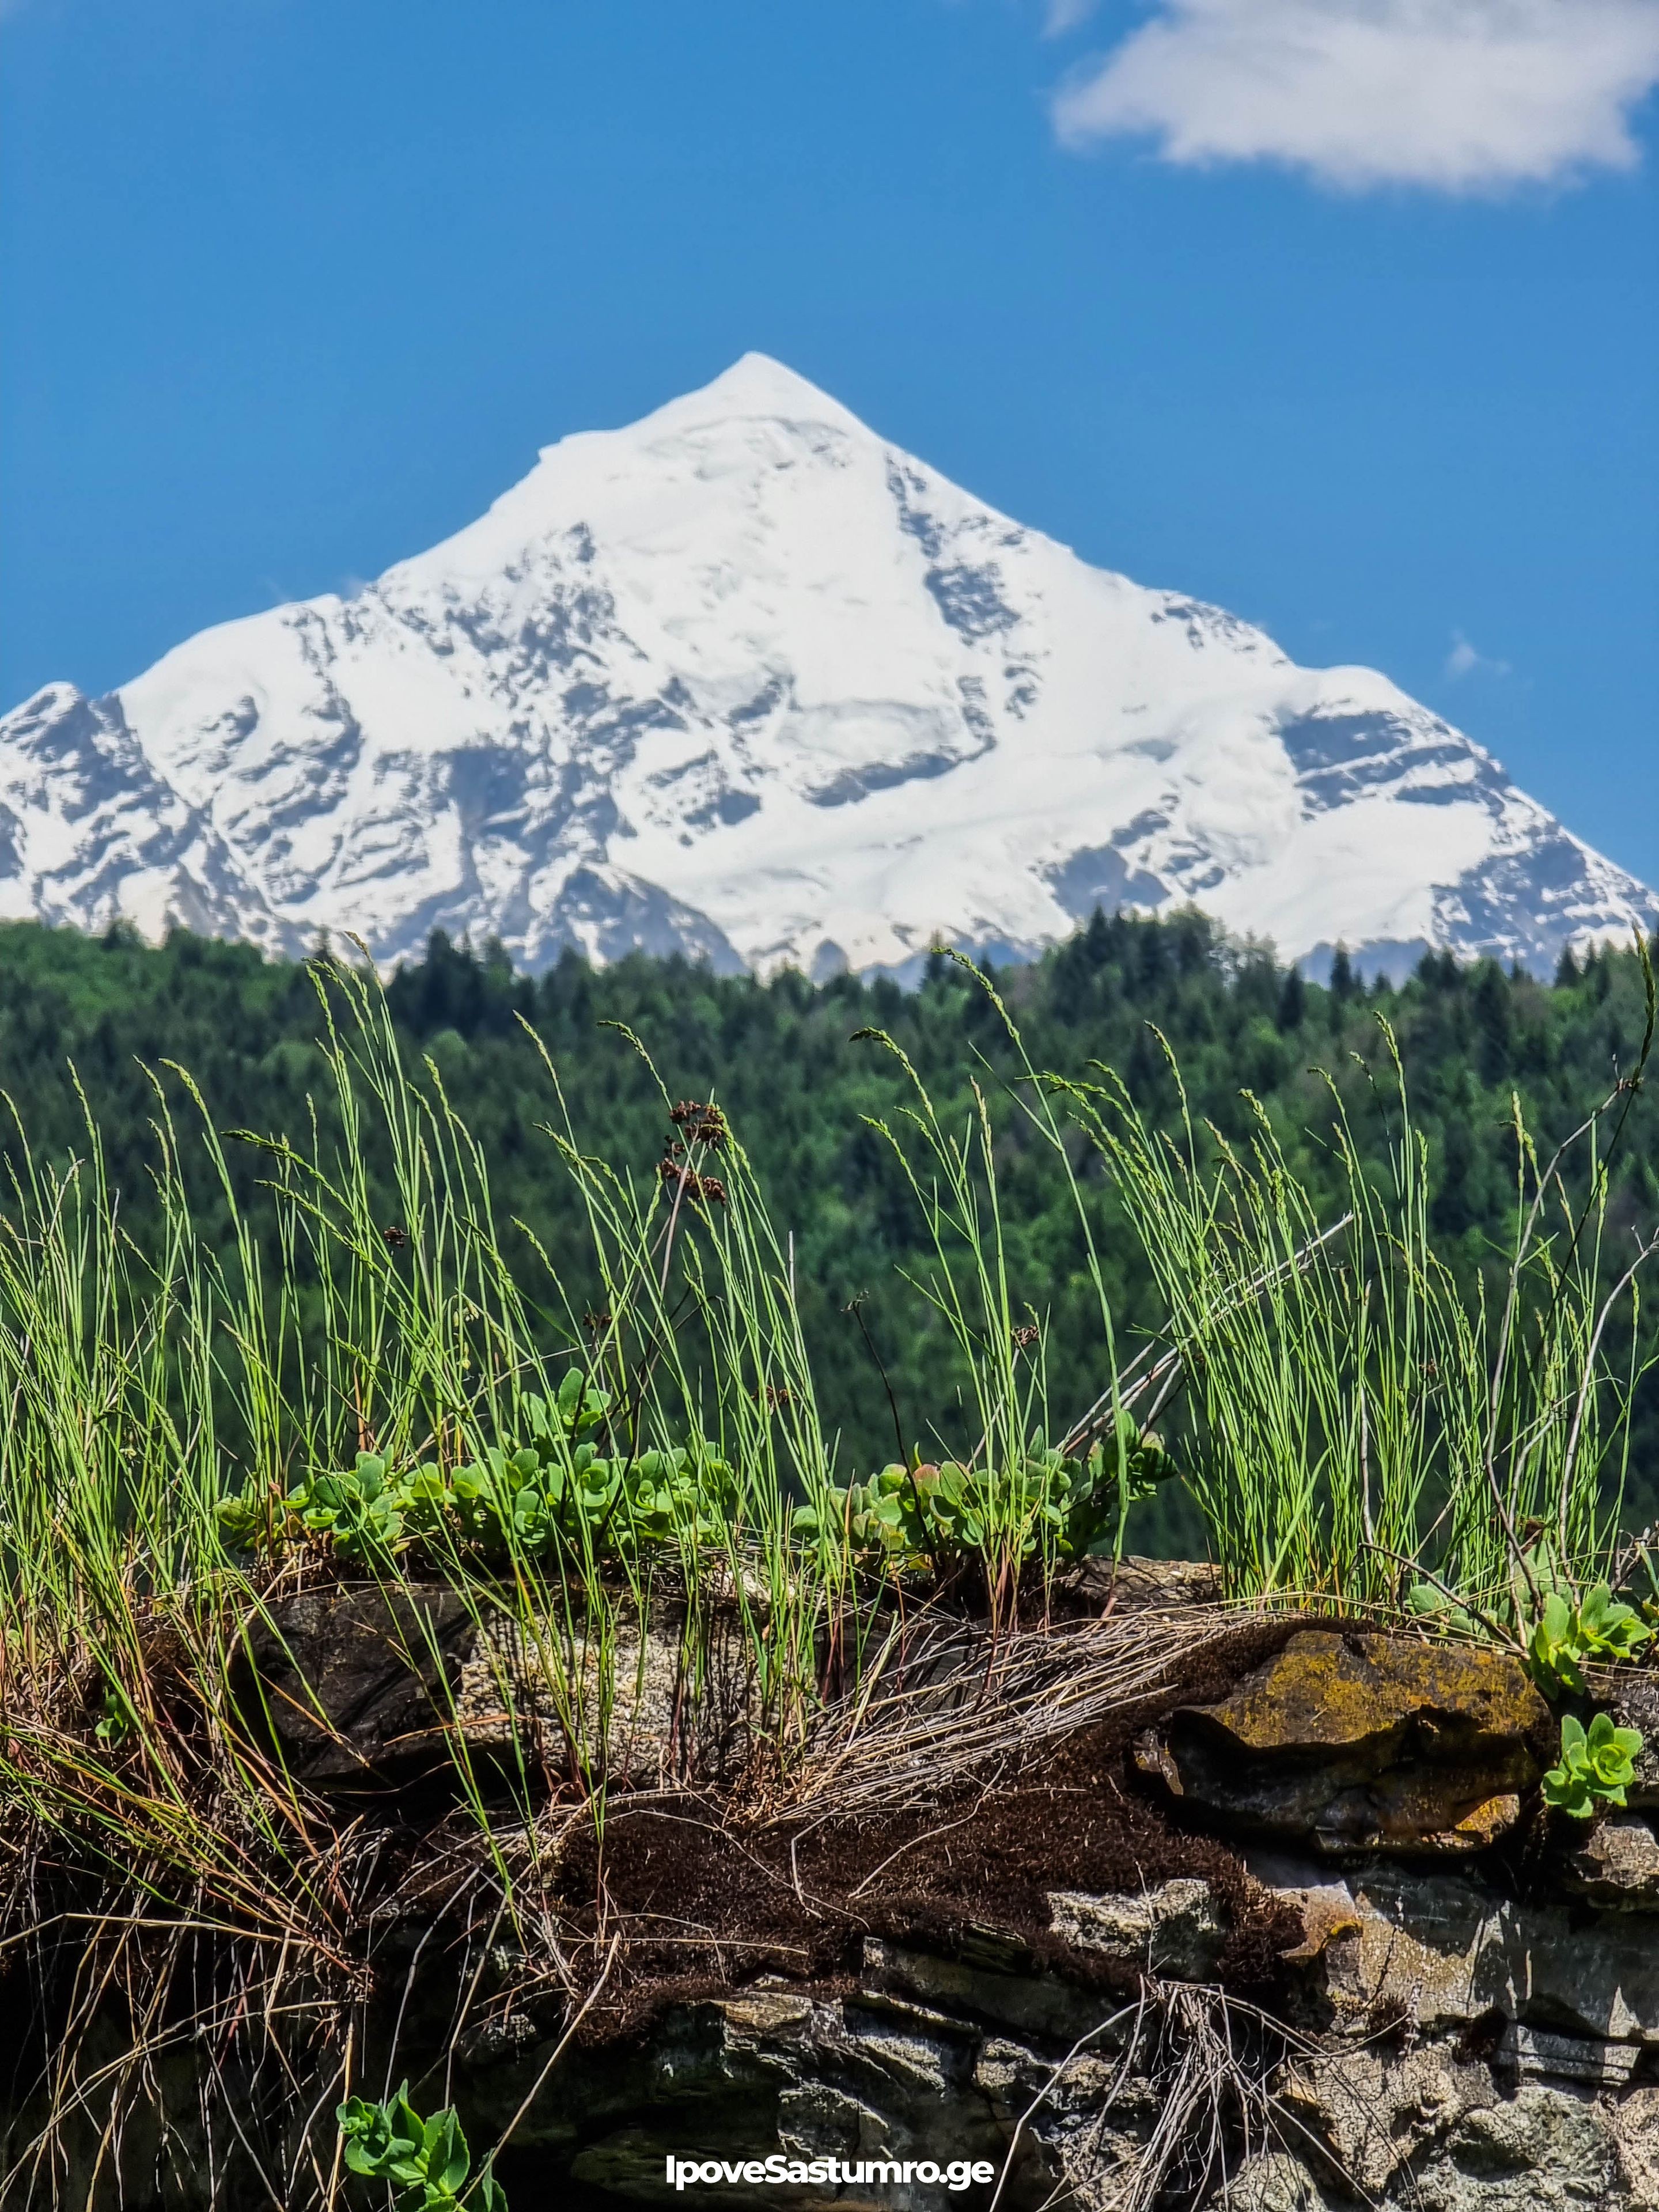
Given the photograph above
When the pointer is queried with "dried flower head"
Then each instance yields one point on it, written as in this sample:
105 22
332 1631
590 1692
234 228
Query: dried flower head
691 1185
703 1125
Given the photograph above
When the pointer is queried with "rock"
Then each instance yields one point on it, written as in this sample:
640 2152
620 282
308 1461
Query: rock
1543 2150
1616 1864
1636 2143
1093 1587
1326 1909
1029 2003
1452 2047
1534 2054
1176 1929
1361 1743
1439 1951
1376 2108
367 1688
1272 2181
763 2073
924 2057
1084 2120
617 1705
1631 1695
1424 2128
357 1683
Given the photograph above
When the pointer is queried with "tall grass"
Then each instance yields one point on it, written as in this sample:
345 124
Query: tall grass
1357 1423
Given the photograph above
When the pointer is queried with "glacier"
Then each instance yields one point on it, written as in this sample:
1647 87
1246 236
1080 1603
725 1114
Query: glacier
743 681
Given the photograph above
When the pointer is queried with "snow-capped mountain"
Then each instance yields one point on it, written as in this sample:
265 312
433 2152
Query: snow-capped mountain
746 680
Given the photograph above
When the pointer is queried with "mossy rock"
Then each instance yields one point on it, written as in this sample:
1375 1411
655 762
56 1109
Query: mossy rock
1358 1741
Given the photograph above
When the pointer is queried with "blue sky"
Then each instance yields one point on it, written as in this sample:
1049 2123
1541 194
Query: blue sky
1352 328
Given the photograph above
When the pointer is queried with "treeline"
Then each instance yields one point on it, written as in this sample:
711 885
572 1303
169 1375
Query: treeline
85 1019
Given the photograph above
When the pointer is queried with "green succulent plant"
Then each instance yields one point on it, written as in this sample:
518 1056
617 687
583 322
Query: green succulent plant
360 1513
1565 1635
426 2163
914 1517
554 1490
1435 1608
247 1519
1597 1765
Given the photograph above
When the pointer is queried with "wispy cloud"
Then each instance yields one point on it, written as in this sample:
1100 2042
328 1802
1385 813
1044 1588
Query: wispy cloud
1457 95
1464 660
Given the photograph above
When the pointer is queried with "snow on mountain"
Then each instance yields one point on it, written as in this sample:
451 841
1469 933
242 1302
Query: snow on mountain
743 680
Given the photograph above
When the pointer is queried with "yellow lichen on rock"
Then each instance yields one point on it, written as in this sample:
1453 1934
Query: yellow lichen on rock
1361 1742
1329 1689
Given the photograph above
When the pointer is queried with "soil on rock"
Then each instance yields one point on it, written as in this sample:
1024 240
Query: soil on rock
1327 1735
706 1903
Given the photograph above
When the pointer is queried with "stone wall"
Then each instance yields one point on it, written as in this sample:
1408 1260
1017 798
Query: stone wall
1469 2023
1450 2050
1458 2011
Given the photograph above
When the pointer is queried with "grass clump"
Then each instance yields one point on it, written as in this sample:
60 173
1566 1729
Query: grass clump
1356 1425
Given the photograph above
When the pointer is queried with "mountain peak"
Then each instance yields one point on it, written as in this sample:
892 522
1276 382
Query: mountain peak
609 472
756 385
743 681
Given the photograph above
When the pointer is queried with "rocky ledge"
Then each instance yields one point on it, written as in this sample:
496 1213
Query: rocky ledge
1447 2050
1294 1933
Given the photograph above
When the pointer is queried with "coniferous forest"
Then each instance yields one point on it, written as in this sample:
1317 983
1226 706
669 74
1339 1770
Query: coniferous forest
98 1030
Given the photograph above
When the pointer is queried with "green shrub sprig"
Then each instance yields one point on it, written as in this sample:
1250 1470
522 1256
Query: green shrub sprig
426 2162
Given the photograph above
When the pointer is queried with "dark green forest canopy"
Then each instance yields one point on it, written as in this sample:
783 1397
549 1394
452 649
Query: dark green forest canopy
800 1086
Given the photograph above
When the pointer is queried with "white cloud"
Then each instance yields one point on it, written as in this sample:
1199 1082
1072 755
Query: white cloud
1460 95
1464 660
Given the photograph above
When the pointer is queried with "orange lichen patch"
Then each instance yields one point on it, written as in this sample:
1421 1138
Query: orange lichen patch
1492 1817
